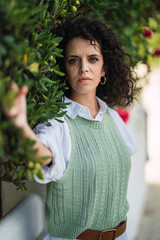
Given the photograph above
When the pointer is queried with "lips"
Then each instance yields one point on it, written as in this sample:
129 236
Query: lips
84 79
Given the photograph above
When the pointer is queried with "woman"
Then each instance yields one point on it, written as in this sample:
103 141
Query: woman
89 153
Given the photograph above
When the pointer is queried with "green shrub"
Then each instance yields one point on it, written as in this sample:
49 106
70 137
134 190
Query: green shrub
28 53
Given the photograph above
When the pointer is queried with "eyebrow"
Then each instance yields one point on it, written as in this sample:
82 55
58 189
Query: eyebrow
92 55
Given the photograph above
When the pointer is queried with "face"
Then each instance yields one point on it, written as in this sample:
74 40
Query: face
84 66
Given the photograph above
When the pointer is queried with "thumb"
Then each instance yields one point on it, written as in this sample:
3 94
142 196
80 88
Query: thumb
23 90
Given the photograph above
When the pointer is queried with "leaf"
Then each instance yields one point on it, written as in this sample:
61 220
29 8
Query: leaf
45 79
44 34
40 174
3 50
58 50
8 99
9 40
34 67
59 120
29 175
57 39
55 7
61 114
58 54
58 72
44 96
54 91
20 172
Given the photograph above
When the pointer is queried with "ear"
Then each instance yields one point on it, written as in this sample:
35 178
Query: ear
103 72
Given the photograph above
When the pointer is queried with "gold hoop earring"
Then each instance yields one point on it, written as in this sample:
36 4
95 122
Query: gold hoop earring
104 81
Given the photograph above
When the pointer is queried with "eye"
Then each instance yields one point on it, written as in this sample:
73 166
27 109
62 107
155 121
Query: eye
73 61
93 59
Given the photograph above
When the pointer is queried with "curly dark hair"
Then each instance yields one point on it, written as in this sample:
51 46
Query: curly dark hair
119 87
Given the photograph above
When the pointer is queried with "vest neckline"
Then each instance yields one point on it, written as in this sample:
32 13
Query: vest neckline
93 124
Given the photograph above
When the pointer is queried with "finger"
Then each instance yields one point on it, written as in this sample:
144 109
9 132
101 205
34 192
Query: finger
23 90
14 86
11 112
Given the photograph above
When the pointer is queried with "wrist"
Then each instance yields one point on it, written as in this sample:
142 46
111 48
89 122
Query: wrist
26 129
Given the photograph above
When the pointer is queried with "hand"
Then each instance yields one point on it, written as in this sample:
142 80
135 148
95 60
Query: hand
18 113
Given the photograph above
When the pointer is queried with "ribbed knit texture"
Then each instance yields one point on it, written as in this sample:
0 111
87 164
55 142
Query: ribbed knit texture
92 192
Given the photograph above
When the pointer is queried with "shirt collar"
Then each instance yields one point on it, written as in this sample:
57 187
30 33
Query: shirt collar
75 109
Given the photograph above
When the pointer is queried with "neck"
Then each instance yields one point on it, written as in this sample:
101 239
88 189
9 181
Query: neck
88 101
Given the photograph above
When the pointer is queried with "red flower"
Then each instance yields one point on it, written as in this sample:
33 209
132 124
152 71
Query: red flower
156 52
147 33
153 7
123 113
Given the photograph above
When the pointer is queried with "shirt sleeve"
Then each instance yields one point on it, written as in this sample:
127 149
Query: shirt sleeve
124 131
52 137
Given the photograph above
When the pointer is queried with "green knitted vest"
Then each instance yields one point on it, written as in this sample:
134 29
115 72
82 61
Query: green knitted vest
92 192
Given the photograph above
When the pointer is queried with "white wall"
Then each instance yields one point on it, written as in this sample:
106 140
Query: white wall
25 221
151 102
137 188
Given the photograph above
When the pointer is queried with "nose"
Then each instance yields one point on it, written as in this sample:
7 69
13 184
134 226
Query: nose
83 66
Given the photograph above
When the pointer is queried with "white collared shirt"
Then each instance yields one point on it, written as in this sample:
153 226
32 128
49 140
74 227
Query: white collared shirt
57 137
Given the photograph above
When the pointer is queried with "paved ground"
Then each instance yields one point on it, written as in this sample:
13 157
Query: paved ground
150 223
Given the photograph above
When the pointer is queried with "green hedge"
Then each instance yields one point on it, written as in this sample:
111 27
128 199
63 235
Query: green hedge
28 53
